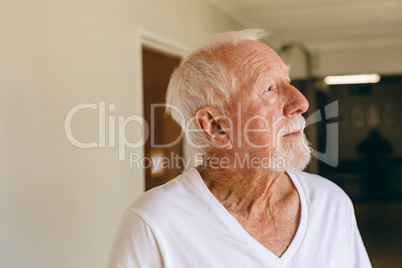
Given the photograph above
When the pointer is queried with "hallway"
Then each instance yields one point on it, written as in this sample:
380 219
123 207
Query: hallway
380 226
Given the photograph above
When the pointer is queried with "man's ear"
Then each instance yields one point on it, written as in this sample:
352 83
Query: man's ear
214 126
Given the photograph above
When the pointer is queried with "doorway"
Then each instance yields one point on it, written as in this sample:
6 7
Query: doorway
157 68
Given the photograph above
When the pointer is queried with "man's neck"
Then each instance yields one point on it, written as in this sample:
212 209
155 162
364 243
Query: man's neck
248 192
266 204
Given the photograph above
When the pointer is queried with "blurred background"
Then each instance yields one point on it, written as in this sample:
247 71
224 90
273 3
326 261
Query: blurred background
76 76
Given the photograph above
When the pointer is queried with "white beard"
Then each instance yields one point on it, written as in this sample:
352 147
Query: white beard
294 155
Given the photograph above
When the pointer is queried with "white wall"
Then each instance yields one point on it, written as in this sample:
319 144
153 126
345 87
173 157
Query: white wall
60 205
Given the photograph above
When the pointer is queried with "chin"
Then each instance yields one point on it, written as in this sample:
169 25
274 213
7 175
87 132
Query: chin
291 157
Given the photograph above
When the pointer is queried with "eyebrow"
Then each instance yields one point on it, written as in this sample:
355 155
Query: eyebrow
287 69
278 70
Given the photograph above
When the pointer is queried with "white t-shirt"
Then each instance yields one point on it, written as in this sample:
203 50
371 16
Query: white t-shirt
182 224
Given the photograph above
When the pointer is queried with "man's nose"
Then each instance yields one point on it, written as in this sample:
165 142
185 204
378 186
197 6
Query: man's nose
296 103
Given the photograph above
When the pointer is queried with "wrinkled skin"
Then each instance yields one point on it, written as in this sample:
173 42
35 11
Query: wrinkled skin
265 202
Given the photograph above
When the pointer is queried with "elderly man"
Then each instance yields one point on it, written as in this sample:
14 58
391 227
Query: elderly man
249 204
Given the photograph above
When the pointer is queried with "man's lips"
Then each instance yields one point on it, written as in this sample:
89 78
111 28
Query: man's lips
293 134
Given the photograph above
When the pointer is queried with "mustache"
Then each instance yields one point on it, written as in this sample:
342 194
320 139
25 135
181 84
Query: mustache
293 125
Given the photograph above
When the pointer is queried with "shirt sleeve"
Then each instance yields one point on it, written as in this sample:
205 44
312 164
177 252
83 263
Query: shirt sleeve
358 251
135 244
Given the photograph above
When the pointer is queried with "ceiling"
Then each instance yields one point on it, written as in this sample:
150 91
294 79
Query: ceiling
321 24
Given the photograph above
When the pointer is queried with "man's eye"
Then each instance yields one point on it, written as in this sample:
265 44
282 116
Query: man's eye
269 88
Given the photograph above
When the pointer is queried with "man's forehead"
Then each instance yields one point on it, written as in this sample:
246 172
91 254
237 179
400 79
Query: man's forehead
246 48
250 55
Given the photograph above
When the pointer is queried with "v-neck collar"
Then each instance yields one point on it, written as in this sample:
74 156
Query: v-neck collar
236 229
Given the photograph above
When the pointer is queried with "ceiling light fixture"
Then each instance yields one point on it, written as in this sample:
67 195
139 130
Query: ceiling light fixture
352 79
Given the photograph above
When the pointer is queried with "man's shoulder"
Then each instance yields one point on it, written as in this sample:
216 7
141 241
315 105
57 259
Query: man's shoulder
316 186
164 199
317 182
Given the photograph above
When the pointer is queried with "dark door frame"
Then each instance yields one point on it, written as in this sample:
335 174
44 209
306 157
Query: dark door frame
164 45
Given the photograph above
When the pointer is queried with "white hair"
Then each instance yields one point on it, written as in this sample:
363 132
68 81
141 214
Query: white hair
202 80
